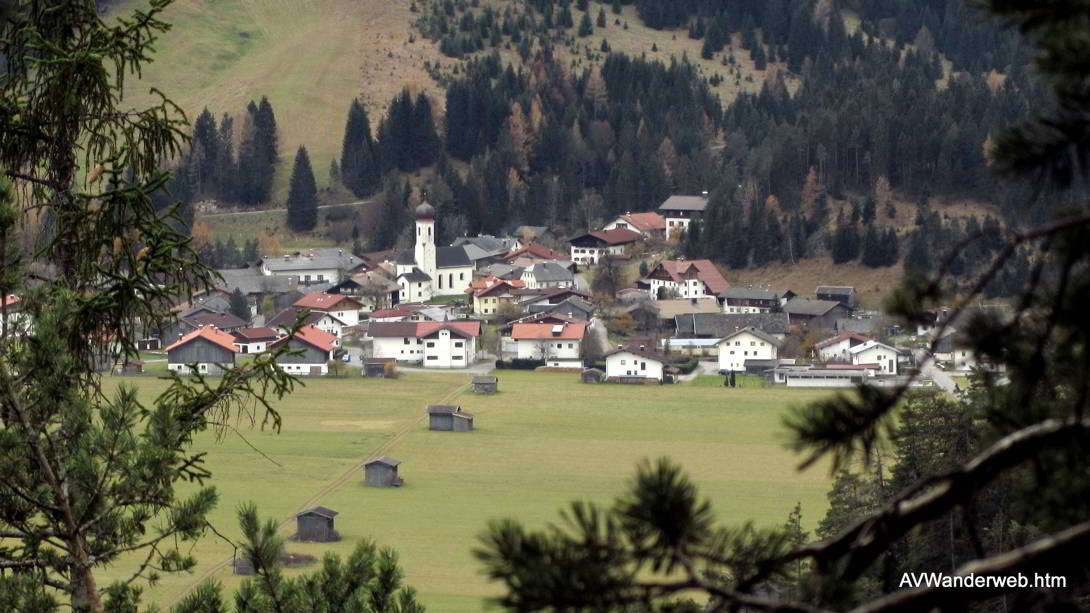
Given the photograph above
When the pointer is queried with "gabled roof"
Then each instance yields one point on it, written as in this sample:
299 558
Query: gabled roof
452 257
494 284
287 317
316 338
684 203
391 329
841 337
871 345
548 293
420 329
645 222
204 317
772 340
542 331
386 460
327 302
415 276
704 270
547 272
313 259
536 250
10 300
682 306
749 293
838 290
616 236
401 310
650 354
319 511
209 334
485 379
806 306
247 335
442 409
718 325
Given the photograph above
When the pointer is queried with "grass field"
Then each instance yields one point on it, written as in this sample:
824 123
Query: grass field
542 441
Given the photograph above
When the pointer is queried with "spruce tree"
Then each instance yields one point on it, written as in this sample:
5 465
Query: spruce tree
873 250
302 195
586 28
238 306
425 140
359 168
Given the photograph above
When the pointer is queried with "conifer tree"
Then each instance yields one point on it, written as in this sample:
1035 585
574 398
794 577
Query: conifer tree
359 167
238 306
586 28
302 195
425 140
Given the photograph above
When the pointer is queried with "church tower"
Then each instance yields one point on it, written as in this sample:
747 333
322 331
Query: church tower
425 239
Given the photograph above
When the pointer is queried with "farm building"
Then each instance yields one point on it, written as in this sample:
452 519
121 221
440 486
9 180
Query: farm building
210 349
486 385
680 211
316 525
382 472
462 422
310 349
254 340
844 294
874 352
441 416
837 348
821 377
815 314
376 368
635 363
592 375
132 367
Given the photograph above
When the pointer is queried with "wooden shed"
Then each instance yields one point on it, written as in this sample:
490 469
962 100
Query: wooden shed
486 385
441 416
316 525
132 367
462 422
375 367
382 472
242 565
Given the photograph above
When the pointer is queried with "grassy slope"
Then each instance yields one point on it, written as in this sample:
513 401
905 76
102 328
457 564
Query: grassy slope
543 441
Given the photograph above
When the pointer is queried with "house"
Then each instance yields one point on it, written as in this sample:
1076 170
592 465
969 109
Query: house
750 300
212 350
815 314
680 211
548 295
495 293
382 472
648 225
843 294
345 308
372 289
309 351
558 345
668 310
482 250
547 274
587 249
14 319
874 352
399 312
533 253
486 384
500 270
427 271
449 418
574 307
737 348
636 362
254 340
836 349
433 344
538 318
319 265
823 377
199 317
316 525
255 285
534 234
685 279
719 325
285 320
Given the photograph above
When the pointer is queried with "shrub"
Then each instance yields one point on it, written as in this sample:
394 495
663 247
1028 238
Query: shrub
519 364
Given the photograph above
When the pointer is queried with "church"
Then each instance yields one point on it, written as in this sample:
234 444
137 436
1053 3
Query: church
427 271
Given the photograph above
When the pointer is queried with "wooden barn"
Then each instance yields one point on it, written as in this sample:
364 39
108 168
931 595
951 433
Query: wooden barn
242 565
382 472
316 525
593 375
486 385
212 350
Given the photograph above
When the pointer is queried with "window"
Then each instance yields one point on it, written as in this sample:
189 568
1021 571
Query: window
457 357
737 343
431 344
461 276
433 357
458 344
752 343
732 352
571 345
622 362
406 340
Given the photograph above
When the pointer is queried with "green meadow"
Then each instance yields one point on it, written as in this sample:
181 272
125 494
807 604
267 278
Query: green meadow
544 440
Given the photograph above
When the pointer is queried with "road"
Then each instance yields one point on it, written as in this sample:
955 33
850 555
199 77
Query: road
936 374
255 212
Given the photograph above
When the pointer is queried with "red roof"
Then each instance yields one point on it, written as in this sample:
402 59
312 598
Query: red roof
570 332
617 236
210 334
537 250
704 270
466 328
841 337
11 299
326 302
645 222
494 283
318 338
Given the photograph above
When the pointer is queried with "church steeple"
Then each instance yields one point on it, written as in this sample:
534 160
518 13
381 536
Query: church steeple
425 239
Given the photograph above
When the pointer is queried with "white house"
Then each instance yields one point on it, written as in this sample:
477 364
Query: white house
427 271
323 265
649 224
310 351
635 362
874 352
345 308
680 211
746 344
838 348
432 344
254 340
547 274
686 279
587 249
284 320
557 344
